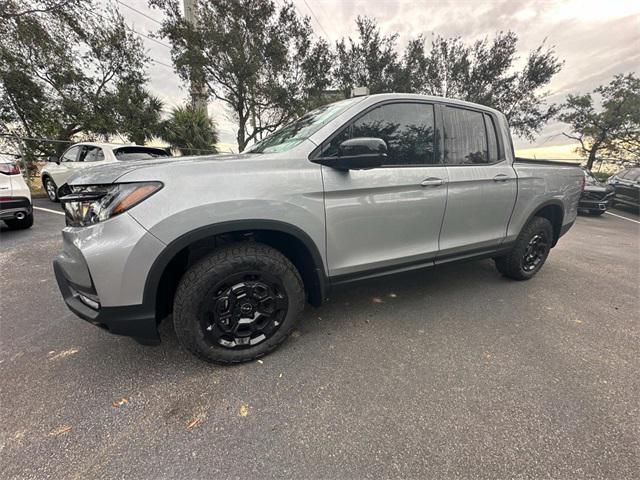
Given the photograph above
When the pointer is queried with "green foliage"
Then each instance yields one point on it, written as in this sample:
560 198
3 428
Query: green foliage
370 60
258 60
190 130
483 72
613 130
68 69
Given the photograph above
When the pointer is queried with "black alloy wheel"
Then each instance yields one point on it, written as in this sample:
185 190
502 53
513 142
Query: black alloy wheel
535 252
246 309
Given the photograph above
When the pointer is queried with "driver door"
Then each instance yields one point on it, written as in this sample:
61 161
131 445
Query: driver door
389 217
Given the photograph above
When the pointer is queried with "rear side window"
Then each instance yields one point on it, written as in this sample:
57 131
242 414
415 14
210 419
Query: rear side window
407 128
139 153
91 154
492 139
465 139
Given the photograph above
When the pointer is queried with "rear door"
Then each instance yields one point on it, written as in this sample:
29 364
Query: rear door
482 184
387 217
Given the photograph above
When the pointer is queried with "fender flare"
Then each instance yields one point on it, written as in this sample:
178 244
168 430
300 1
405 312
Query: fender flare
154 275
554 202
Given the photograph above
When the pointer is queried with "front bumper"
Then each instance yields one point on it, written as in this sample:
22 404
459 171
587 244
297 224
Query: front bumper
101 273
584 204
14 205
136 321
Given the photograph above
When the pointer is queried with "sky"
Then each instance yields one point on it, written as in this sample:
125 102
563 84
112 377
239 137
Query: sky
596 39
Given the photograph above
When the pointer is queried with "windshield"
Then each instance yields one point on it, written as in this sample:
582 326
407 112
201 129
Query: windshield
591 180
139 153
292 134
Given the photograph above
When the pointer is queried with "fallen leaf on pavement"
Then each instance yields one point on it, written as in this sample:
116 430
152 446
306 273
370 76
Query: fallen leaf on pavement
122 401
63 354
244 410
194 422
377 300
61 430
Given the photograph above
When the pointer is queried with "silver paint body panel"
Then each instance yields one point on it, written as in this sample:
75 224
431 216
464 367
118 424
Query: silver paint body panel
359 221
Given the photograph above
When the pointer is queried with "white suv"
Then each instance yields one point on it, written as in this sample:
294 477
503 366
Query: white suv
15 197
88 154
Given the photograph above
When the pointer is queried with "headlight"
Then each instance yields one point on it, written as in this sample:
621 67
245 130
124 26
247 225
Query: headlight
90 204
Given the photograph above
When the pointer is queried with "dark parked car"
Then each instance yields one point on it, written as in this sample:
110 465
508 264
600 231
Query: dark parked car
627 187
596 196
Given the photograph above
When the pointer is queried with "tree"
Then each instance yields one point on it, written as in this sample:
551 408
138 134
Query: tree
614 130
190 130
484 72
259 61
68 69
370 60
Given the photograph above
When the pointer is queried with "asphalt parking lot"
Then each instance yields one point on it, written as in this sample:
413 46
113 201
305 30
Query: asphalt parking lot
455 372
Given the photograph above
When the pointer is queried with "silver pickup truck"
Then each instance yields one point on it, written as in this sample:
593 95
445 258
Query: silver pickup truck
235 245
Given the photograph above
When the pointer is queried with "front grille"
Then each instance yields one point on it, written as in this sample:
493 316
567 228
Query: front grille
597 195
15 202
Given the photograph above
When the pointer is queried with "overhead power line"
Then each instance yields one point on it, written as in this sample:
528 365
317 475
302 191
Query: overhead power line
317 21
139 12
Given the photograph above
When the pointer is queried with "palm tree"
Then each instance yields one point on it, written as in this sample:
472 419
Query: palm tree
190 131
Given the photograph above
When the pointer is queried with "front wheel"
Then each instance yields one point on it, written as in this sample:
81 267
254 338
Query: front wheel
529 252
238 303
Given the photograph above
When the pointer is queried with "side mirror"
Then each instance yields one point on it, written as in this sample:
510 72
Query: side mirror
358 154
53 158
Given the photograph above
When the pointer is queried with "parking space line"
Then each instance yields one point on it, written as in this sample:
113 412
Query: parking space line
620 216
47 210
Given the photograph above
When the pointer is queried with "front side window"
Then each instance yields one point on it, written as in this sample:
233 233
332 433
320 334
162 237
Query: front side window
465 138
70 155
408 129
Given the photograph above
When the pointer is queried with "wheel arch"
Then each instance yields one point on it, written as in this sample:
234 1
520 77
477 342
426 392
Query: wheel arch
182 252
552 210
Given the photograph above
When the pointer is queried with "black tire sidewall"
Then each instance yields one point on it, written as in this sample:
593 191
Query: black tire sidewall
197 285
537 225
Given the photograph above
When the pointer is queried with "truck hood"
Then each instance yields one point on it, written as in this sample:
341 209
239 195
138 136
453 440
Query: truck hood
104 174
598 188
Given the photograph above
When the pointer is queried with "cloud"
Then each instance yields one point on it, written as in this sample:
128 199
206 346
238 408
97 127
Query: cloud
596 39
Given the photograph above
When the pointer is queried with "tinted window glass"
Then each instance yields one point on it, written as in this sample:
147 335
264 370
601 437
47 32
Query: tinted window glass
407 129
492 137
70 155
139 153
465 140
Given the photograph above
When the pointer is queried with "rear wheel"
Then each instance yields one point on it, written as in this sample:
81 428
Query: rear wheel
529 252
51 189
238 303
22 224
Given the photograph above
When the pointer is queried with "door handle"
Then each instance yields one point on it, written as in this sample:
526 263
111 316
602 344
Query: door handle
432 182
501 178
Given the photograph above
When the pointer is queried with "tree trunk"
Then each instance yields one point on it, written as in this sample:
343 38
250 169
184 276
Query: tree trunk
592 158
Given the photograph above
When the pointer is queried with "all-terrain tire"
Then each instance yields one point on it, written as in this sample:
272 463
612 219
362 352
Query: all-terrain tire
199 283
15 224
514 264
